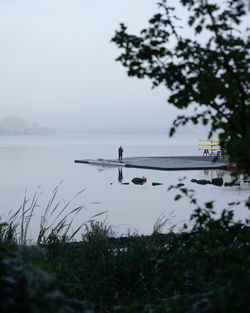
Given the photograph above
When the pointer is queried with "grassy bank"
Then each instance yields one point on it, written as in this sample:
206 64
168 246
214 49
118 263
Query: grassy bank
203 270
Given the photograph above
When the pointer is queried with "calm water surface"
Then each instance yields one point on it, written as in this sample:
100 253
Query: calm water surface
29 162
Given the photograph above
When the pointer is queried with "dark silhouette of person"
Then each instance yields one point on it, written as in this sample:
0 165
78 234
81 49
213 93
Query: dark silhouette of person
206 152
120 175
120 152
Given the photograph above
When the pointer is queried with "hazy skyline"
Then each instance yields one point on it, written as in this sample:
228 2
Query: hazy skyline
58 65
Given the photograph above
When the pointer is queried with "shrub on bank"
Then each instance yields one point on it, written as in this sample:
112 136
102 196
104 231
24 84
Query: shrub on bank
207 267
202 270
26 287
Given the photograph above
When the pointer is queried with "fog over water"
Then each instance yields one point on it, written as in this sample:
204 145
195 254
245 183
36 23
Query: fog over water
29 162
58 69
58 66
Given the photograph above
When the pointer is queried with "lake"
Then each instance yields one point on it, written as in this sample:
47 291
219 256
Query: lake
29 162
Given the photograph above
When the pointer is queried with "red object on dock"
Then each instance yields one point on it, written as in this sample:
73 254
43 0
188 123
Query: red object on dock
232 167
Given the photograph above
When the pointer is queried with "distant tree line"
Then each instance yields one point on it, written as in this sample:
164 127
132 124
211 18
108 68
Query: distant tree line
15 125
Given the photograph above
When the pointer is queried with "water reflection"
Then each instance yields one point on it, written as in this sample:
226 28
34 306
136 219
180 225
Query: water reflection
210 176
120 175
215 173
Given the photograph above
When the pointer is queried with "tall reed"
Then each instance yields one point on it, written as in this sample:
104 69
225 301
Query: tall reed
56 221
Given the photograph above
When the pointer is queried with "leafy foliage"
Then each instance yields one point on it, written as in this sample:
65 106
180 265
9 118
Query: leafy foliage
25 287
208 70
203 270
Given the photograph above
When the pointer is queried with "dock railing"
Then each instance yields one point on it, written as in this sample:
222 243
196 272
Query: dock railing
211 147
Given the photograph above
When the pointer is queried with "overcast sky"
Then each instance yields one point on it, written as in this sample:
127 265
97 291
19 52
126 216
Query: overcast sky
58 66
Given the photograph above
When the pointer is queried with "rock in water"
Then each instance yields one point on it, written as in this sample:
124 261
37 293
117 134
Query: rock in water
139 180
232 183
201 181
217 181
156 184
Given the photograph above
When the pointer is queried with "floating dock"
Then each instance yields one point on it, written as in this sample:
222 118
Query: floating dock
173 163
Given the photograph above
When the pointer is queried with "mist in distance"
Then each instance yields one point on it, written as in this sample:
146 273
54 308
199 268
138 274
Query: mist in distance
58 68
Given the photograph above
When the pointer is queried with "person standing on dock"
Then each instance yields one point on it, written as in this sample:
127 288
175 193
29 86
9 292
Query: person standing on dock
120 152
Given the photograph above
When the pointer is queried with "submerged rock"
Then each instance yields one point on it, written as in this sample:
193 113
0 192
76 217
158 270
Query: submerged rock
217 181
201 181
139 180
156 184
232 183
